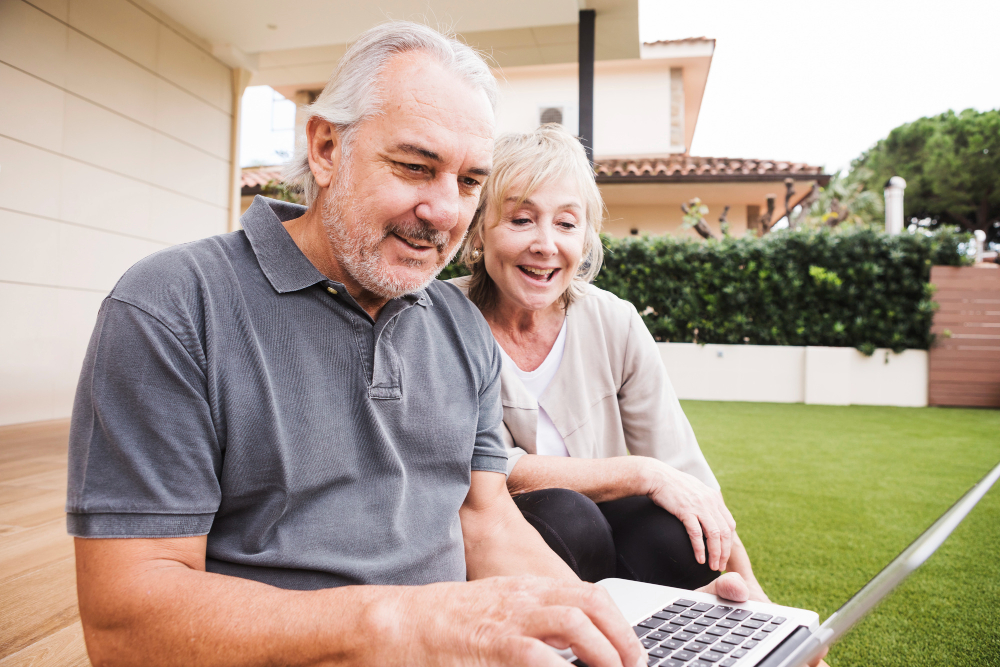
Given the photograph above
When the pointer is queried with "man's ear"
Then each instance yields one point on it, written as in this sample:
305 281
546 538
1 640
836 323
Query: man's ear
325 150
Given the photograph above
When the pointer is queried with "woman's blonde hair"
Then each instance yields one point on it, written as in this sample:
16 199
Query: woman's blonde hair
528 161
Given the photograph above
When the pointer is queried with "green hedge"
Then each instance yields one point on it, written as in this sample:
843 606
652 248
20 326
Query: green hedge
848 288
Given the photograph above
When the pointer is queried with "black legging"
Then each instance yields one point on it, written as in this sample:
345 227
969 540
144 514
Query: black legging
629 538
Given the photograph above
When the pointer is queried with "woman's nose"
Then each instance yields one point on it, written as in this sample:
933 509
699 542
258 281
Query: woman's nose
544 241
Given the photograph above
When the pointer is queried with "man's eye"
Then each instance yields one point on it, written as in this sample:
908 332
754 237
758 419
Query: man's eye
470 182
416 168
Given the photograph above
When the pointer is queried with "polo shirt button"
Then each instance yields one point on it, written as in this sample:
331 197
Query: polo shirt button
331 290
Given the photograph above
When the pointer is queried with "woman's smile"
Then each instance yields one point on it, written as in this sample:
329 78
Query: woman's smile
534 273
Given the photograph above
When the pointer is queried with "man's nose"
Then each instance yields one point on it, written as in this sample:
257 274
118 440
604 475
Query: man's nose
440 203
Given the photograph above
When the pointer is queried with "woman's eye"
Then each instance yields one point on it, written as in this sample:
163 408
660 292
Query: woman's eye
521 221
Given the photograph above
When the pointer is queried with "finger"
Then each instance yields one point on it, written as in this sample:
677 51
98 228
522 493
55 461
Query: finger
524 651
604 613
730 586
694 532
818 661
729 521
713 535
569 627
726 541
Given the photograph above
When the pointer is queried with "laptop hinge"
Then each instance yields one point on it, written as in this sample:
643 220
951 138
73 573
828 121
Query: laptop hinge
785 648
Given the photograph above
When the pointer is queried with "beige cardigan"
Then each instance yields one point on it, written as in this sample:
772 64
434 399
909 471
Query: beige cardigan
610 396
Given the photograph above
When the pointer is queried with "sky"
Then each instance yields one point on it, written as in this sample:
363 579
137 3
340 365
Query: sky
821 82
812 82
267 127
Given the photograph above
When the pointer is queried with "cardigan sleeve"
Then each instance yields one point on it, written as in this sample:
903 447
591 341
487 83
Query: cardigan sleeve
652 419
514 453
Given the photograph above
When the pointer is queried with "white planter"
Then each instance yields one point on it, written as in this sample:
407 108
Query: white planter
789 374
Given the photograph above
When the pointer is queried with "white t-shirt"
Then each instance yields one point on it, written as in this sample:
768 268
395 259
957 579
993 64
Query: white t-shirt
548 442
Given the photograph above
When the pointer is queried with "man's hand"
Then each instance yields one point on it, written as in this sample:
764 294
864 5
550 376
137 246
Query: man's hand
698 506
515 621
150 602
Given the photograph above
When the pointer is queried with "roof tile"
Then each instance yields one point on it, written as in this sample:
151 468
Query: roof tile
681 165
259 176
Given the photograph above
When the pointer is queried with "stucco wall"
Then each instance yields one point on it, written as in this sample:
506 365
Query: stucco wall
114 143
659 219
792 374
627 95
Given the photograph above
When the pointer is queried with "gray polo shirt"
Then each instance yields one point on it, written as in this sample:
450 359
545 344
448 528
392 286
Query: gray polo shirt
232 390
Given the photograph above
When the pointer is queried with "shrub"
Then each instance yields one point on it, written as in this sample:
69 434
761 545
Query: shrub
856 287
848 288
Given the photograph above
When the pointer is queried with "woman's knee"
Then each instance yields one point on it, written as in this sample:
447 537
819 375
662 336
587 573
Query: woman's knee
574 527
653 545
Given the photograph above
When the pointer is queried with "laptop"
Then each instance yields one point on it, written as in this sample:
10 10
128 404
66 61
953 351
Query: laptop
682 628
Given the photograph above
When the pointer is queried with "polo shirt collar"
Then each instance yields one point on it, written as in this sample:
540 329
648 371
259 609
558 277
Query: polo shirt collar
280 259
287 269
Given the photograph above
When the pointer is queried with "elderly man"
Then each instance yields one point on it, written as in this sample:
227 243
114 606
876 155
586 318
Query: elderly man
279 432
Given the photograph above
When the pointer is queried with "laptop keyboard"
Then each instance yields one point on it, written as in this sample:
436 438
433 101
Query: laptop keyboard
691 634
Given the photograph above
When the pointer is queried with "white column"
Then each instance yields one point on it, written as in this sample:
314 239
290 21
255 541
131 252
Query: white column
980 245
241 78
894 205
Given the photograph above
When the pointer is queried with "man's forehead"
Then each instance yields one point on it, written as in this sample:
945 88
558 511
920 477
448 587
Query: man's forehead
421 99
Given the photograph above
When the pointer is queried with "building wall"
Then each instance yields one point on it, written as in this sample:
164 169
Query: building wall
628 95
655 208
115 135
658 219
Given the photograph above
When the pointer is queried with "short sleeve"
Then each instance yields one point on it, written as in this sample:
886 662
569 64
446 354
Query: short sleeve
145 457
490 453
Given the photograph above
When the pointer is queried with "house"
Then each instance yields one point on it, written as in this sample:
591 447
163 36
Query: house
645 115
645 111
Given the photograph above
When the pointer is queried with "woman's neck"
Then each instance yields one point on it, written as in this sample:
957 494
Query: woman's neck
527 336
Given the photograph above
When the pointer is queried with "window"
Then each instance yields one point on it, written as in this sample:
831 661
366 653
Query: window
550 115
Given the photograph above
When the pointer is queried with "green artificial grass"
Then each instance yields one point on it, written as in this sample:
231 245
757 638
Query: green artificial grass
826 496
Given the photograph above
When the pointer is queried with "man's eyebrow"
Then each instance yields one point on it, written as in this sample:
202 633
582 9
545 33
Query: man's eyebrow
413 149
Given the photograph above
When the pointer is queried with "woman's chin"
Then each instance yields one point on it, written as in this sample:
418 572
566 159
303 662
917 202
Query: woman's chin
532 299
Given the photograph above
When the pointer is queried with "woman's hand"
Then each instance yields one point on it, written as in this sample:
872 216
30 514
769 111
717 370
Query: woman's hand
699 507
732 586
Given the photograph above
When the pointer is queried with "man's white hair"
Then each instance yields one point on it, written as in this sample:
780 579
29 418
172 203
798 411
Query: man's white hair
352 95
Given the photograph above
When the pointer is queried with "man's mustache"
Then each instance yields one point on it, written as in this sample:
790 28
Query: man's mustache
420 231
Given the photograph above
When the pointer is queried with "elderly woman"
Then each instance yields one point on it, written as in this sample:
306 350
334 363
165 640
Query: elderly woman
603 461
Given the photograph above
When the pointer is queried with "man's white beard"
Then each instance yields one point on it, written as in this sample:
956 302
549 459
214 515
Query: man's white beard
360 255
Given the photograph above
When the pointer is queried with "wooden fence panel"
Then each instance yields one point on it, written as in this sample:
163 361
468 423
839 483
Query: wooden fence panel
965 360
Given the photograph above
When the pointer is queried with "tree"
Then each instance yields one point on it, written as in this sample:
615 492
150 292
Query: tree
951 164
280 190
845 200
694 218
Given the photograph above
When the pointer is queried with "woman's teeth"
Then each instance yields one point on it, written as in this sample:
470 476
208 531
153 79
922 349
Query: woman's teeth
541 273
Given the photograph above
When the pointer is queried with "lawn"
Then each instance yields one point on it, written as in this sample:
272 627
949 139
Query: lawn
825 496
